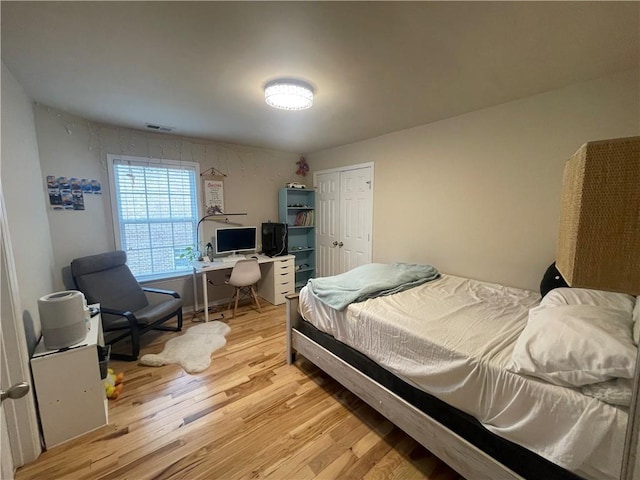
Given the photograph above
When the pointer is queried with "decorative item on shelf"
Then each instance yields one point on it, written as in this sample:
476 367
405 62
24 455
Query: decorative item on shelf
303 167
295 185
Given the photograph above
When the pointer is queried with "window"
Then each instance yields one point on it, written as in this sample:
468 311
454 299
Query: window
155 213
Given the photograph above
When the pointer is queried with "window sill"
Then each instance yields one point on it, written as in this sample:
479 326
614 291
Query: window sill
149 279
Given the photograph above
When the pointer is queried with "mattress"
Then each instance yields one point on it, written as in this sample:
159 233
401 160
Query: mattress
453 339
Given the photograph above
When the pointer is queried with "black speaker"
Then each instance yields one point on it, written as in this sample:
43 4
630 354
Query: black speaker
274 239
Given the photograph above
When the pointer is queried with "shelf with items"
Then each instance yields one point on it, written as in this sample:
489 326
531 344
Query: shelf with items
296 208
296 250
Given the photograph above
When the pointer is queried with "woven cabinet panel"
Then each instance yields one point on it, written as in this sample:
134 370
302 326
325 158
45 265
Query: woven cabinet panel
599 236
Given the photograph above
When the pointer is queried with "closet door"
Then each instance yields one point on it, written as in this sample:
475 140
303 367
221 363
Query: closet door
344 202
355 219
327 226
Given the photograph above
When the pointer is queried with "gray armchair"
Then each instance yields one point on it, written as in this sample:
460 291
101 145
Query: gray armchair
106 279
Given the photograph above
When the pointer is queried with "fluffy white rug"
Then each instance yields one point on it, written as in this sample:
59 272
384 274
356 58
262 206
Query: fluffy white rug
193 349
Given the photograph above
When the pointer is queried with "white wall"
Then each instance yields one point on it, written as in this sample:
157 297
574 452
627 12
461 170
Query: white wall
25 202
74 147
479 194
26 263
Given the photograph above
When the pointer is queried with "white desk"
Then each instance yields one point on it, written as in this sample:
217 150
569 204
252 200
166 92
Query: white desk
277 280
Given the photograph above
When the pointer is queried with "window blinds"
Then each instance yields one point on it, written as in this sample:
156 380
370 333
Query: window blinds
156 214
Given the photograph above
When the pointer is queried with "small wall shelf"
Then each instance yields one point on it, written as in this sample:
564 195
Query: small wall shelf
218 217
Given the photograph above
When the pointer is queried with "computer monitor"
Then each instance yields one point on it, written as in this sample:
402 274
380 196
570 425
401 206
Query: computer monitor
235 239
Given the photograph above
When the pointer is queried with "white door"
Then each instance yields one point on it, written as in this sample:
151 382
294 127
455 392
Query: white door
344 209
19 435
355 218
8 394
327 214
6 458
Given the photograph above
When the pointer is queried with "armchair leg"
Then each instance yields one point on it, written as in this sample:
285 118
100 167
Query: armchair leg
135 343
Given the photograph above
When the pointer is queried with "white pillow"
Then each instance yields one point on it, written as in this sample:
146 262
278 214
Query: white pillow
636 322
584 296
614 392
575 345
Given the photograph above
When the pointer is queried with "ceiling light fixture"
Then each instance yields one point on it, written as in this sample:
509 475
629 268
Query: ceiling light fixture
288 94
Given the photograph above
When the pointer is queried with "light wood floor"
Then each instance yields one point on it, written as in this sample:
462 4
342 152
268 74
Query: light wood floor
248 416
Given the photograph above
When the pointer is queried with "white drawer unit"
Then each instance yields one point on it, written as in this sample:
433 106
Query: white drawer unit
70 393
278 279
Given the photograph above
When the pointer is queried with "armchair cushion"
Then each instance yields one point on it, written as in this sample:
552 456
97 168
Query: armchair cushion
148 314
106 279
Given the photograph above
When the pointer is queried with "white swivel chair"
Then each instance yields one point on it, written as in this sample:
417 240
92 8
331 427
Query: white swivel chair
245 274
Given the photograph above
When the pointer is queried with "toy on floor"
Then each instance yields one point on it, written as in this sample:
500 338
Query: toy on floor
113 384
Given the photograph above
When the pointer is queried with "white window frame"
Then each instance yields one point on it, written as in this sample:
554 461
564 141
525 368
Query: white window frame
146 161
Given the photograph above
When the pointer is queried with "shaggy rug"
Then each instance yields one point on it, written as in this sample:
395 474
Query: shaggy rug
193 349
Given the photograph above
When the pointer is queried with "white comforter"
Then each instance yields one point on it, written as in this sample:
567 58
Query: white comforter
453 338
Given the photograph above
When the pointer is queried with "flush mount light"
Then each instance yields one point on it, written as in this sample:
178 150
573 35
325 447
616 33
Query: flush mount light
288 94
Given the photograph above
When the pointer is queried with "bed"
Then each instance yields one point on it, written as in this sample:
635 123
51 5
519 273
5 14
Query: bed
438 360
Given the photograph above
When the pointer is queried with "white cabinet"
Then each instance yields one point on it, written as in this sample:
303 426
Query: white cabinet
278 279
70 393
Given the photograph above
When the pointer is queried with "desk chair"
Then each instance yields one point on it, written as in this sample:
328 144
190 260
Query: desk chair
244 276
106 279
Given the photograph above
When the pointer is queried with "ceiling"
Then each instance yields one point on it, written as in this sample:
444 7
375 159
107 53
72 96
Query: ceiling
376 67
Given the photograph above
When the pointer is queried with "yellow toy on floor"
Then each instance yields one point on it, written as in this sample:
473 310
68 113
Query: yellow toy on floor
113 384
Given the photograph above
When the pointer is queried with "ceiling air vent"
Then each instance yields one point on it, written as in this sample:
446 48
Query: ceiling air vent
159 128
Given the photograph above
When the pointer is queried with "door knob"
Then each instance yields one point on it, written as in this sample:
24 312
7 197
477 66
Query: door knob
340 244
18 390
335 243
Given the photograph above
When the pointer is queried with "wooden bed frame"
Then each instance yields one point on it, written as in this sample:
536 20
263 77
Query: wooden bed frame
464 457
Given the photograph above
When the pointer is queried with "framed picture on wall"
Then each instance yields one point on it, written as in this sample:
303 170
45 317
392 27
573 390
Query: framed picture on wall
213 194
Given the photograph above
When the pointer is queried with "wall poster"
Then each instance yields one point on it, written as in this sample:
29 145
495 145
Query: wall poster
68 193
213 194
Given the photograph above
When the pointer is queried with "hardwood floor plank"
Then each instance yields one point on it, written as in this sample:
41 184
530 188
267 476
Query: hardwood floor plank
336 468
248 416
386 466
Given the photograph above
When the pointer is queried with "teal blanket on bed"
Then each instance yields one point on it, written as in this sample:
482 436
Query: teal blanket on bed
369 281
